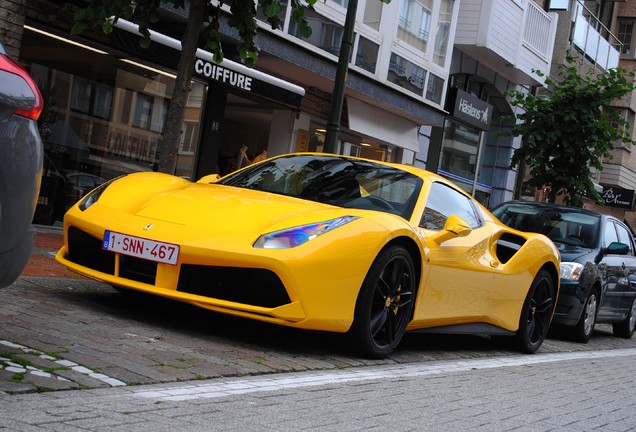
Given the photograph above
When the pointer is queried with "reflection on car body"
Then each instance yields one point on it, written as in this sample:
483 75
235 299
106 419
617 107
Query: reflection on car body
320 242
20 165
598 264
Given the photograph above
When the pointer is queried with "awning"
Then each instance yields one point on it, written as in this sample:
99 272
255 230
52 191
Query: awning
229 72
377 123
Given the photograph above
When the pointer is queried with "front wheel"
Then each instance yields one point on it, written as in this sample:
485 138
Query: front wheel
625 329
583 329
536 313
385 303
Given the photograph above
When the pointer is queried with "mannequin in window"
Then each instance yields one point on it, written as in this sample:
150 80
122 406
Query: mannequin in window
241 158
260 157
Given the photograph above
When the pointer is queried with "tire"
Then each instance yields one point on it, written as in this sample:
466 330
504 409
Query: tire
582 331
385 303
625 328
536 314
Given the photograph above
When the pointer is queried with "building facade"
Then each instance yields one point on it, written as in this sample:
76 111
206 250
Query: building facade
426 86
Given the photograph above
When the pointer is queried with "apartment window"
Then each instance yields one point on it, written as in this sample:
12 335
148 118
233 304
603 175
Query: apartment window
367 55
260 15
373 14
434 89
625 34
443 32
406 74
326 34
414 23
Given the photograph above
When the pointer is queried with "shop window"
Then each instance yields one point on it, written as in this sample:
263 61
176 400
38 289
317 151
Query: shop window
367 55
91 98
326 34
406 74
460 148
414 23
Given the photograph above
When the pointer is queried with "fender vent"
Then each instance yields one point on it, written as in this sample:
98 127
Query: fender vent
507 247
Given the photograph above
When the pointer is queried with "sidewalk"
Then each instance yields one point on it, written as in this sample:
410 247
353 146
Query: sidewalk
48 240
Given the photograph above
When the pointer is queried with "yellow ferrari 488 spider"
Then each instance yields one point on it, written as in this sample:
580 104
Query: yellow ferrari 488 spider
321 242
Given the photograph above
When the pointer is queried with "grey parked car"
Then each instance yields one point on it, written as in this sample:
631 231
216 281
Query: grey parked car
20 165
598 266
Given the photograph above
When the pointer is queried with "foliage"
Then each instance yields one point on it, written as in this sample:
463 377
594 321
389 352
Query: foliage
104 13
570 131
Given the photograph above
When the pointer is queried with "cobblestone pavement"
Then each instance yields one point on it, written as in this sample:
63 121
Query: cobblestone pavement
60 332
578 391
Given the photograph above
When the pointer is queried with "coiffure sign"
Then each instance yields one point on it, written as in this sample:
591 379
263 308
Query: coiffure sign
617 197
222 75
230 77
469 109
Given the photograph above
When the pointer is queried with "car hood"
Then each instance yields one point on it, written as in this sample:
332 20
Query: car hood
234 209
570 253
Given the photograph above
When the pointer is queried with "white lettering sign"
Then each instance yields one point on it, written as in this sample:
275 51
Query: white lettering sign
223 75
470 110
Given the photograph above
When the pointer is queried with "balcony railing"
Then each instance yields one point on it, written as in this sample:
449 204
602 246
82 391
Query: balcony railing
536 34
594 39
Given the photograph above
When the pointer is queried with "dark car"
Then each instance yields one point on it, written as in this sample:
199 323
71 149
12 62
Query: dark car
20 165
598 266
80 184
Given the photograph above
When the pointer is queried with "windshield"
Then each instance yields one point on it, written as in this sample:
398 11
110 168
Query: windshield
561 225
339 181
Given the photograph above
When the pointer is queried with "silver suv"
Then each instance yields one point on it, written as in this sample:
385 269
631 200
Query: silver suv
20 165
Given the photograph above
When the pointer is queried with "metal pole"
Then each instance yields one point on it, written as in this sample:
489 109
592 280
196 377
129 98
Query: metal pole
337 100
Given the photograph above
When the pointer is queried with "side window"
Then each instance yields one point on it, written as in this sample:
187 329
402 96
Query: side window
624 236
610 234
444 201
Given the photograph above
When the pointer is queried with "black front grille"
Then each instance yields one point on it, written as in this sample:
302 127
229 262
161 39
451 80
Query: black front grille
86 250
137 269
257 287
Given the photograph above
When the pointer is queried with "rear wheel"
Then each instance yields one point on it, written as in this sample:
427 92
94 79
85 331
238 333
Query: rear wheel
625 329
536 313
583 330
385 303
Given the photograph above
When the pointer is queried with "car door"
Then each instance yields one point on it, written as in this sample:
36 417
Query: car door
615 273
458 285
627 288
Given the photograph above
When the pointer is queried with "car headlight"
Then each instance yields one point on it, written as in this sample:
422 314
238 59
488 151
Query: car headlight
571 270
296 236
92 197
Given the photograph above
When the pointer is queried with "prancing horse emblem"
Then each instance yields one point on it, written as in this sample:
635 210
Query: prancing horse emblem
148 227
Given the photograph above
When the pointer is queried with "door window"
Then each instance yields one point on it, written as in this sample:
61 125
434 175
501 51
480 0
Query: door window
625 237
444 201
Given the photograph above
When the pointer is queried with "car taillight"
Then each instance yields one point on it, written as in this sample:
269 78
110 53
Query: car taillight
9 65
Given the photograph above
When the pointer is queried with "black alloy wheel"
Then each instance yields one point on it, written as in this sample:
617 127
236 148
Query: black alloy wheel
536 313
385 303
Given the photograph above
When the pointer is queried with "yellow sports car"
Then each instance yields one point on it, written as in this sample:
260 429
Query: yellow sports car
321 242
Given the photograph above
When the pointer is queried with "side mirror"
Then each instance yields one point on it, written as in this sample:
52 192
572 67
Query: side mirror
617 248
453 228
210 178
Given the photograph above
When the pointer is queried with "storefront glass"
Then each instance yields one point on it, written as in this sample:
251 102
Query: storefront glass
103 117
460 149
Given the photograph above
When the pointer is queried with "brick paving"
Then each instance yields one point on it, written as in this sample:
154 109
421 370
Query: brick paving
61 331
